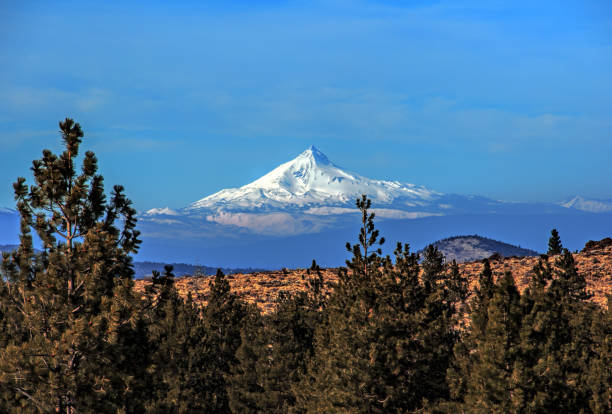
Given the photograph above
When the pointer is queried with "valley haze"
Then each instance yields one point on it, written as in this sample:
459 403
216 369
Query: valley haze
305 209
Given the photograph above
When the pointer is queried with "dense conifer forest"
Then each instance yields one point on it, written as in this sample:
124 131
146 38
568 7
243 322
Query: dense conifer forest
396 334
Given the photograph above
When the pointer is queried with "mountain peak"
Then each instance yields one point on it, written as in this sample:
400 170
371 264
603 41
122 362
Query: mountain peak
588 205
309 181
315 154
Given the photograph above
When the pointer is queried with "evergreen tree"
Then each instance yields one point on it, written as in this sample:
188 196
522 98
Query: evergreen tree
458 287
245 391
73 302
569 284
554 243
179 364
341 376
275 350
540 340
383 346
444 295
433 266
480 304
466 352
223 317
556 343
573 346
493 383
599 376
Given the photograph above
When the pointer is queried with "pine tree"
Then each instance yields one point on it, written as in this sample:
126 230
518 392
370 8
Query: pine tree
556 343
179 360
224 317
245 391
573 345
554 243
599 376
383 345
458 287
341 364
480 305
495 372
569 284
444 295
275 351
433 266
540 342
73 301
464 352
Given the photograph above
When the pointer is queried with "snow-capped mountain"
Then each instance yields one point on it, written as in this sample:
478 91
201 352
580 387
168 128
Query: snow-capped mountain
311 181
311 193
308 194
591 206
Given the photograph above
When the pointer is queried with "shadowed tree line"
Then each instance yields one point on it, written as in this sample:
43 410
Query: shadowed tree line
396 334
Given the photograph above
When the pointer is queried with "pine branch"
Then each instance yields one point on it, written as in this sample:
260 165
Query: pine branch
34 400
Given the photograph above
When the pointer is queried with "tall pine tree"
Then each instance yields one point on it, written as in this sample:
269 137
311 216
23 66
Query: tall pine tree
494 372
599 376
275 351
181 375
464 351
224 317
385 343
73 301
554 243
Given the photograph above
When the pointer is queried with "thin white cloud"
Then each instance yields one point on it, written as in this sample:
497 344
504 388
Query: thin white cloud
271 224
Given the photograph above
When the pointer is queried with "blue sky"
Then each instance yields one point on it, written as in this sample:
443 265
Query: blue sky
510 100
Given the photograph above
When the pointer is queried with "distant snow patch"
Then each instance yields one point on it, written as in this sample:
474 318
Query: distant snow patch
591 206
162 211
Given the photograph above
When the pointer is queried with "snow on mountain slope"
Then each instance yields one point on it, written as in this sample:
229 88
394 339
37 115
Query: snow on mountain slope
591 206
311 180
311 193
166 211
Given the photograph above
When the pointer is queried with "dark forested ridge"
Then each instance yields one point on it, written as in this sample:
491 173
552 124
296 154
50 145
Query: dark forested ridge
145 269
391 334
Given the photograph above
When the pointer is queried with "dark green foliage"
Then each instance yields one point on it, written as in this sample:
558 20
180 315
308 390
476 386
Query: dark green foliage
599 373
223 317
537 352
557 344
70 307
386 342
275 351
432 265
554 243
460 368
569 284
494 371
245 391
181 376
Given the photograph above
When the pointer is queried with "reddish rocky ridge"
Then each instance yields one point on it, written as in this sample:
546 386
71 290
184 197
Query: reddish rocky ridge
262 288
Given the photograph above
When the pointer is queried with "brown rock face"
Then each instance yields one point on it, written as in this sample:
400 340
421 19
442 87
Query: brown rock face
597 245
262 288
